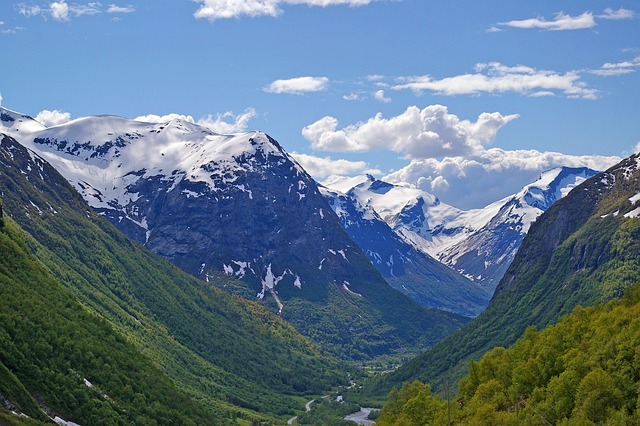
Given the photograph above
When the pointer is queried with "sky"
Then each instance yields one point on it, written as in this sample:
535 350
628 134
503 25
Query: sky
469 100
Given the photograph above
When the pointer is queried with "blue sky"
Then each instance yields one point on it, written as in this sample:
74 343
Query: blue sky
469 100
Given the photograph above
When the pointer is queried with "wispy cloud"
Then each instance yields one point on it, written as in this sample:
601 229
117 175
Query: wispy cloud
380 96
298 85
561 22
619 68
416 133
617 14
62 11
225 9
495 77
565 22
120 9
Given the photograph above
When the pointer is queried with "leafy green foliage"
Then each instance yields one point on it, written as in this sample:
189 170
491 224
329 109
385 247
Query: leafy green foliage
581 371
581 251
233 357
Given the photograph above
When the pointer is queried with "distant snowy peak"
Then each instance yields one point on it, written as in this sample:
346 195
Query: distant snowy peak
553 185
537 197
388 199
478 243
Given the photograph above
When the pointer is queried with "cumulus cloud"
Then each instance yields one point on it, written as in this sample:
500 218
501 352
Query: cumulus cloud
59 11
298 85
619 68
223 123
225 9
477 180
321 167
52 118
416 133
494 77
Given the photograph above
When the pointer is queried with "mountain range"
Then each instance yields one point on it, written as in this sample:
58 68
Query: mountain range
480 243
238 205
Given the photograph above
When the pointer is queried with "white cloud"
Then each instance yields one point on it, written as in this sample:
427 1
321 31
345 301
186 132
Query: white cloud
62 11
321 167
120 9
225 9
0 98
379 96
416 133
92 8
617 14
477 180
59 11
228 122
352 97
561 22
153 118
298 85
495 77
52 118
564 22
224 123
29 11
613 69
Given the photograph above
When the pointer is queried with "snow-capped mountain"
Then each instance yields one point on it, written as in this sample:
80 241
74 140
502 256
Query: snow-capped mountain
479 243
237 205
406 269
161 182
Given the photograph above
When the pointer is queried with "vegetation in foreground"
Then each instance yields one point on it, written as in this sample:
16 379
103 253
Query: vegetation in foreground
585 370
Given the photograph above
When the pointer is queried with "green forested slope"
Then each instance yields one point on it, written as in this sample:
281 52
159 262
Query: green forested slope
585 370
583 250
50 344
232 356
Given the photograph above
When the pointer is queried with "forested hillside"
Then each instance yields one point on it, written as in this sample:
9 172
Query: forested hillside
582 371
74 362
231 356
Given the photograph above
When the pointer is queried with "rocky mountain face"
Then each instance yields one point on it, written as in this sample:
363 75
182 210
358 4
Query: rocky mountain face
584 249
238 205
410 271
479 244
